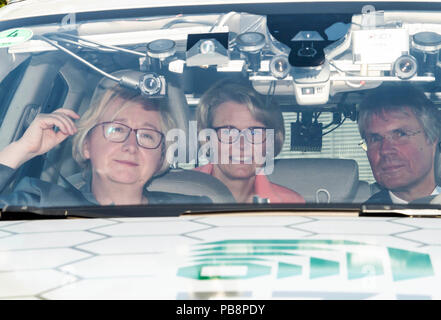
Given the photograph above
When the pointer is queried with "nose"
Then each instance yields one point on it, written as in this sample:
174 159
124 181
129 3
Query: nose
242 141
130 145
387 145
242 147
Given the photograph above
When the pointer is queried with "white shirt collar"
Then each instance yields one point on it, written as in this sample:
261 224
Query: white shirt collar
398 200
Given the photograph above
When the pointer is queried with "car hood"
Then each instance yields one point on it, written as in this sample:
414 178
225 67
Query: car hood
200 257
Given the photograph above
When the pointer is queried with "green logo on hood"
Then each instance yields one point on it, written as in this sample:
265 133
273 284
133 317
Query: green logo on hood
245 259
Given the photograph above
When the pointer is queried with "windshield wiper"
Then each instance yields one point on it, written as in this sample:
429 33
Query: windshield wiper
176 210
408 211
340 210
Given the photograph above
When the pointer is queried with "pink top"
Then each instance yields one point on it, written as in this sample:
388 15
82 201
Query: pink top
265 189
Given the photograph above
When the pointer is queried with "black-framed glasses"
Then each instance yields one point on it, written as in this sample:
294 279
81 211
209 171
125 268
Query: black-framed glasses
230 134
118 132
397 136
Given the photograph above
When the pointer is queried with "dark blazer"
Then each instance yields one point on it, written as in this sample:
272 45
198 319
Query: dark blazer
381 197
37 193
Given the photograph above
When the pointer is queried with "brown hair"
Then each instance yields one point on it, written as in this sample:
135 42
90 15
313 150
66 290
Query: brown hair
239 92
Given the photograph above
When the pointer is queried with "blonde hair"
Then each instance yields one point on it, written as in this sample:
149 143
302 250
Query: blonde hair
239 92
97 108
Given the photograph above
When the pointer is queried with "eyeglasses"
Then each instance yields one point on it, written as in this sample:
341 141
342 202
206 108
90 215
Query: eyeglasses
118 132
230 134
397 136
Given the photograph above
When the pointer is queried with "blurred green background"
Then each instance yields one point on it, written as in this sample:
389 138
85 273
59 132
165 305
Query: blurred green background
2 3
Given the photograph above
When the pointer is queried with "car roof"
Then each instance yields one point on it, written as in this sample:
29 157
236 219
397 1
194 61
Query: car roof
35 8
32 8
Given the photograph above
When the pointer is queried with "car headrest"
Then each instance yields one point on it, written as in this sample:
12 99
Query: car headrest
191 182
363 192
318 179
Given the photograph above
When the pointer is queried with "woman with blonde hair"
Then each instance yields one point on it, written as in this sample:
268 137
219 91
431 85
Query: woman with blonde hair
119 142
242 121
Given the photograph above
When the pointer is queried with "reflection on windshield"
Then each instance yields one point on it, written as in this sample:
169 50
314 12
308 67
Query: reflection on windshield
220 108
400 127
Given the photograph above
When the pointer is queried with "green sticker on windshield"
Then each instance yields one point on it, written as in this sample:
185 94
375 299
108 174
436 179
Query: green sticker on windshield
12 37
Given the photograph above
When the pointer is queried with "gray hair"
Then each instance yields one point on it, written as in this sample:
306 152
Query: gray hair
388 98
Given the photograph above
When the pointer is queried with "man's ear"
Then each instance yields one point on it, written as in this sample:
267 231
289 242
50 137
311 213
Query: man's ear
436 145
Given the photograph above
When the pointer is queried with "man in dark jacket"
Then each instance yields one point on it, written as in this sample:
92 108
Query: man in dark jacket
400 128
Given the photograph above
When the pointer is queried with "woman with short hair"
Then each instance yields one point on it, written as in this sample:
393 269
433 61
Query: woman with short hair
243 123
119 142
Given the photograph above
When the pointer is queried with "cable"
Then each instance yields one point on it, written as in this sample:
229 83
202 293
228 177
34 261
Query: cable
342 71
105 74
222 19
56 38
317 115
337 126
269 95
178 21
137 53
347 82
328 125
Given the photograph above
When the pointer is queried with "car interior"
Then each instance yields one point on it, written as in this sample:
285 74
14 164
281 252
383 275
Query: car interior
44 81
318 180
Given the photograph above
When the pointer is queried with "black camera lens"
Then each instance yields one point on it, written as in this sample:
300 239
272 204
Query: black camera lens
150 84
405 67
280 67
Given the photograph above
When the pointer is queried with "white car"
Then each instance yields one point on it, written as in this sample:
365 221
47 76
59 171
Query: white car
315 236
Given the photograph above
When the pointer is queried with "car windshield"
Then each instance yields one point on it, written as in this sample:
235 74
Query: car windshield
254 106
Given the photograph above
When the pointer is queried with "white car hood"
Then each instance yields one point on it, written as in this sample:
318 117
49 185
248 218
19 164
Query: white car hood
266 257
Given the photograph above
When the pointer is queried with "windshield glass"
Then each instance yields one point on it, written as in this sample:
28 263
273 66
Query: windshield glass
231 107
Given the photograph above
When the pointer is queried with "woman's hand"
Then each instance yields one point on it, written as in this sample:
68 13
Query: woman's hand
45 132
41 135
